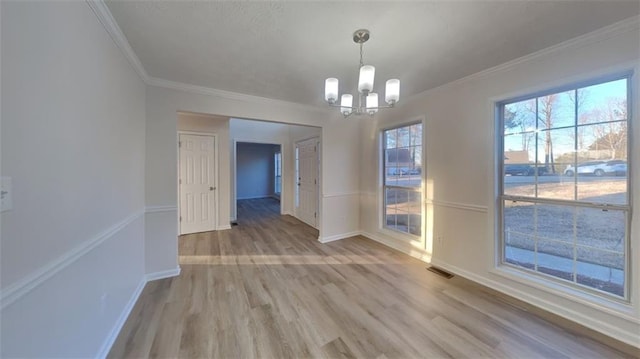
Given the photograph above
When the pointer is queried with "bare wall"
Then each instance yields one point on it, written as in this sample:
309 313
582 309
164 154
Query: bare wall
73 141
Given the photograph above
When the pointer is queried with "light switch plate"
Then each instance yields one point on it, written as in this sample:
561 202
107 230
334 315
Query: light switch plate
5 194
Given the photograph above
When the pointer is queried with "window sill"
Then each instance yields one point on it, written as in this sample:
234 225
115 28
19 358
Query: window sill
619 308
402 236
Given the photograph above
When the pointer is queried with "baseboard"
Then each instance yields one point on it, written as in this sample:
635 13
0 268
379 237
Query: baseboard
113 335
224 227
338 237
115 331
255 197
408 249
162 274
561 311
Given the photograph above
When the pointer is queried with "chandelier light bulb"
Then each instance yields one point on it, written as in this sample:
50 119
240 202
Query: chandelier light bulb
372 103
367 74
392 91
331 90
346 103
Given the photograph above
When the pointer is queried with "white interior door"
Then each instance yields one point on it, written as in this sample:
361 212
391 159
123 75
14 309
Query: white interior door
197 183
307 181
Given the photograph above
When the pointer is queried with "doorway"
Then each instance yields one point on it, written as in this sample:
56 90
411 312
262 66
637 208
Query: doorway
257 169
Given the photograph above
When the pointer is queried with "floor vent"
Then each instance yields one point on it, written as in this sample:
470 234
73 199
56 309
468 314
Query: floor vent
440 272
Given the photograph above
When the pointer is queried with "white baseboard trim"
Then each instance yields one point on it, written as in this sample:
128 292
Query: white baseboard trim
564 312
17 290
256 197
163 274
113 335
407 248
115 331
338 237
223 227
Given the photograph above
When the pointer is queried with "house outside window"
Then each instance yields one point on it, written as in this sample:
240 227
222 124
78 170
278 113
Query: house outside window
402 179
565 188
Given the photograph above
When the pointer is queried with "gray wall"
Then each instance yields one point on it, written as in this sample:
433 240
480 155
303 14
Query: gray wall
255 169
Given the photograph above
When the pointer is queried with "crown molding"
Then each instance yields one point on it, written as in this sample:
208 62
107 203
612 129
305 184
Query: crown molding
604 33
208 91
105 17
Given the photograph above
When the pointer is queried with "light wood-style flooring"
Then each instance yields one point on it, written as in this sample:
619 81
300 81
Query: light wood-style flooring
267 288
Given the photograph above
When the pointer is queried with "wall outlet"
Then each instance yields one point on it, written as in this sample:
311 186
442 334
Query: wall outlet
6 202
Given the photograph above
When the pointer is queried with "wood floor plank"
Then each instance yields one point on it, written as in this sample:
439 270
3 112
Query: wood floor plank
268 289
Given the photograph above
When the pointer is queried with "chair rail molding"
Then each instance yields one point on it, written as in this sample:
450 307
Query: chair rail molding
17 290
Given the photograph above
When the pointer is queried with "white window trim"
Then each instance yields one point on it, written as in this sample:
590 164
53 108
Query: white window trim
619 306
398 235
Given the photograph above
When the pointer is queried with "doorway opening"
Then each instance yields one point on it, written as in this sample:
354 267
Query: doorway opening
258 173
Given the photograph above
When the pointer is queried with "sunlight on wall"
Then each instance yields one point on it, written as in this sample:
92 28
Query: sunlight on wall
428 216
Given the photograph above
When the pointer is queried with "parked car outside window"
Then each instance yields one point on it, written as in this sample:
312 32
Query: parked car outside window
523 170
515 170
598 168
616 168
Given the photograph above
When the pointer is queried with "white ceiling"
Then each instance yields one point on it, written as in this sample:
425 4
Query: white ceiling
284 49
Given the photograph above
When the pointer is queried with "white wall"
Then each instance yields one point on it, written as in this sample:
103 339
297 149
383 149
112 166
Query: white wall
73 117
460 170
255 170
339 212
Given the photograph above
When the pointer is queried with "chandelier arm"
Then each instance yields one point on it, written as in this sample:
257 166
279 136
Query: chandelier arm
380 107
358 108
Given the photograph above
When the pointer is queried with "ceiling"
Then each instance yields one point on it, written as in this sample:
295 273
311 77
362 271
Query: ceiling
285 49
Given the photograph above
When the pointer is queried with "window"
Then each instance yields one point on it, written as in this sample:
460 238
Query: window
277 160
565 209
402 173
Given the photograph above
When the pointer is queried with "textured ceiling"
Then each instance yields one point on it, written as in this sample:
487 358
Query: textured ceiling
285 49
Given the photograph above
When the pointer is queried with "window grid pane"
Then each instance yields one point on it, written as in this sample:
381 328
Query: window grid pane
565 156
402 179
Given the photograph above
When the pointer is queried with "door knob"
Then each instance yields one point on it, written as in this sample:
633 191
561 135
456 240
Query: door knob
211 188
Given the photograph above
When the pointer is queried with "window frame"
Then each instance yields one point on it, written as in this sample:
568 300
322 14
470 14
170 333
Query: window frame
382 176
534 275
277 159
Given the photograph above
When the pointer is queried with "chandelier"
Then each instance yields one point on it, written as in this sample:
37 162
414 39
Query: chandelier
367 100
